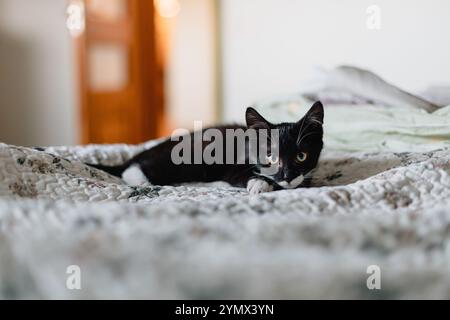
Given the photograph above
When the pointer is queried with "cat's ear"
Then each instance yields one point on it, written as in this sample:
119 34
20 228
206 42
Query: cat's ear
315 113
255 120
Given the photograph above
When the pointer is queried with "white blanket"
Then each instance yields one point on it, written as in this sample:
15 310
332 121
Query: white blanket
216 241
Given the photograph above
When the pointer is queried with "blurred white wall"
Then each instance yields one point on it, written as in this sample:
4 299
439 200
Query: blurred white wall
37 98
191 70
269 46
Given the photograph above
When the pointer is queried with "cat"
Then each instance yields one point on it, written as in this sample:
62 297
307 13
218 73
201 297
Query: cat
299 147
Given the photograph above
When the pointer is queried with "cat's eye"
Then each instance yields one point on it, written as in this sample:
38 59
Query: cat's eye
271 159
301 157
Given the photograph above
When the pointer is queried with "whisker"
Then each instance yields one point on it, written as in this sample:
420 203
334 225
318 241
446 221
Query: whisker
301 128
307 176
300 136
264 176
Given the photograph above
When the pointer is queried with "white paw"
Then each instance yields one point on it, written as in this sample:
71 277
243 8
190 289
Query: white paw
256 186
134 176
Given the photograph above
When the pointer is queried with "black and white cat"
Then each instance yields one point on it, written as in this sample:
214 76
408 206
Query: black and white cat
300 145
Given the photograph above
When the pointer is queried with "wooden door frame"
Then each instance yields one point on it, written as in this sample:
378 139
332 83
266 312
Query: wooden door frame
149 95
149 86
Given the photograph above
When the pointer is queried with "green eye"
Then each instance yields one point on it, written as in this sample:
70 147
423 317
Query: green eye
301 157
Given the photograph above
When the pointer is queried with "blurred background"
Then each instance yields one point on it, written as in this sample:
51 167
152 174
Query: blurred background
107 71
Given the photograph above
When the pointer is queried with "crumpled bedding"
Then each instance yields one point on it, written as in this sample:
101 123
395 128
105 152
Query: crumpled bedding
363 112
369 128
215 241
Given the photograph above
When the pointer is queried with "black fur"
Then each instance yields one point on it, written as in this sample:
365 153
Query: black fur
303 136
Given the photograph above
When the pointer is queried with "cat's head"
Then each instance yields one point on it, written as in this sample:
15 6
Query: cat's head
299 146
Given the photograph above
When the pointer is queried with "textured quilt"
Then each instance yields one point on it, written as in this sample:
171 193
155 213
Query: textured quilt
389 210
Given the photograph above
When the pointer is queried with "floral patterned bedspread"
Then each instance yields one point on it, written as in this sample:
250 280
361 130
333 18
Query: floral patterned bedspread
215 241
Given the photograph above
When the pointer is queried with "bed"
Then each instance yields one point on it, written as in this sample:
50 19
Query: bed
372 205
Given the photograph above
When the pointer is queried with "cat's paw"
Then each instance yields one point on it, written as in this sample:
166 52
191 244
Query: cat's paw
256 186
134 176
